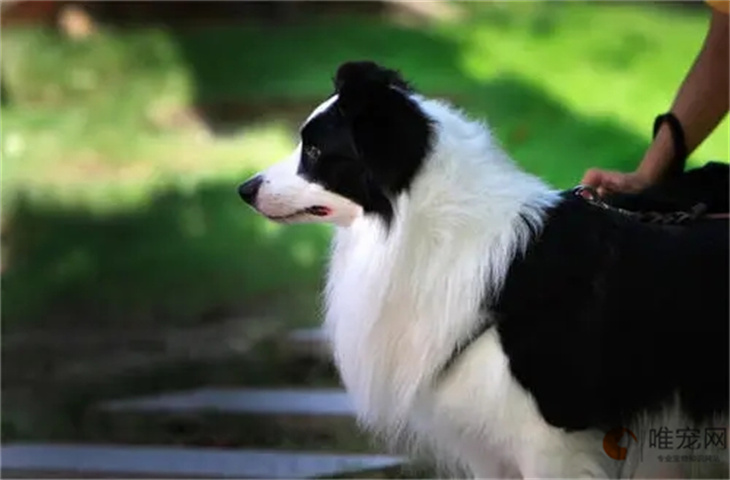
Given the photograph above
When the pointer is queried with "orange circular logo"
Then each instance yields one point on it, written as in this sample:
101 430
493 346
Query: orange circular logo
611 446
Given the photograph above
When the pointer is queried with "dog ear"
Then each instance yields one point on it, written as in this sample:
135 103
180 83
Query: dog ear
350 72
387 126
363 85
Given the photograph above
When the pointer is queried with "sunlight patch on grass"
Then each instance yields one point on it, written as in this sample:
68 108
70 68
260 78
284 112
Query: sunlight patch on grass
85 178
620 61
305 254
135 65
271 230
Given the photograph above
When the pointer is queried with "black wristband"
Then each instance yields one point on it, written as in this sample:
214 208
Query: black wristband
678 141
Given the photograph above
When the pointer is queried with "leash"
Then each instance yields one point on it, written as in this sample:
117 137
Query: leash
680 217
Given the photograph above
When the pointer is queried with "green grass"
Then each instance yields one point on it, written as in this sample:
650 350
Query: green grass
116 208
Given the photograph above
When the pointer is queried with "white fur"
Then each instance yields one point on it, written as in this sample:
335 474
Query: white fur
321 108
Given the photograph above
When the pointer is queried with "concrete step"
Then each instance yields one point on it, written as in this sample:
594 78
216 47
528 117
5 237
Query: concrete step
318 419
327 402
73 460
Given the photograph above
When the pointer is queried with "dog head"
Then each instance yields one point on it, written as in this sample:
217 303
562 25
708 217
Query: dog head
358 151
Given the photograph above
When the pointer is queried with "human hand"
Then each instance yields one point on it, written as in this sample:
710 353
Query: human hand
607 181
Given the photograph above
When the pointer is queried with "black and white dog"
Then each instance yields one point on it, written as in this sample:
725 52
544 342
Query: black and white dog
475 311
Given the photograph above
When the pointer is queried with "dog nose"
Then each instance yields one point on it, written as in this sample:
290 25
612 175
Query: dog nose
250 188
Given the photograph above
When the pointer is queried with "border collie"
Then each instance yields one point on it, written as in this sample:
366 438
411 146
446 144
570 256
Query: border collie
511 329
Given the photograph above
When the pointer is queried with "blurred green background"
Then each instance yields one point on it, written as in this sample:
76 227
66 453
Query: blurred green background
126 128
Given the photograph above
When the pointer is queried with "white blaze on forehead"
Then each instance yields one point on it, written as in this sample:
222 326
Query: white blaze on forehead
321 108
284 192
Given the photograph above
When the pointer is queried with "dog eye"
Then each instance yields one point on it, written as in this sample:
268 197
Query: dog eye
312 152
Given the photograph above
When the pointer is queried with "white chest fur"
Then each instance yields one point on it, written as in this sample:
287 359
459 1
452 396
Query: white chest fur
398 302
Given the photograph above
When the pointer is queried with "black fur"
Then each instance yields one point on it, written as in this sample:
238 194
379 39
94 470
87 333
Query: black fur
372 140
604 317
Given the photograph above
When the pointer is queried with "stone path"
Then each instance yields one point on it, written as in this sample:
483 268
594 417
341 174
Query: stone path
183 462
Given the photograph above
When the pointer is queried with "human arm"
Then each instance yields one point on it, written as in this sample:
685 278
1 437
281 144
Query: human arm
700 104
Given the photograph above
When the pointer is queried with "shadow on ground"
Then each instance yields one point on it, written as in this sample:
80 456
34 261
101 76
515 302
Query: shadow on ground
189 254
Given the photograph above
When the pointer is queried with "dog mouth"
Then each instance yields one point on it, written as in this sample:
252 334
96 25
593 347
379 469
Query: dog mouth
315 210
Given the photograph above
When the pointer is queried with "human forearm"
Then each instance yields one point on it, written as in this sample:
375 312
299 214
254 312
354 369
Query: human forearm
700 104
